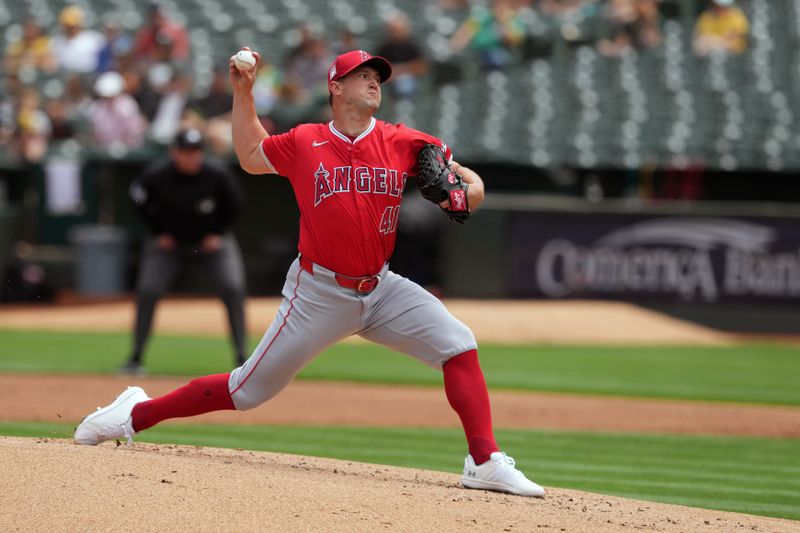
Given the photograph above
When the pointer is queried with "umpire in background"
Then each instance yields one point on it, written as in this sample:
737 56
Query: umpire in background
189 204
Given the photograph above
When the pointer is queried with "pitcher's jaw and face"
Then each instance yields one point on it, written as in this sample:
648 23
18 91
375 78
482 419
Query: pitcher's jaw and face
360 88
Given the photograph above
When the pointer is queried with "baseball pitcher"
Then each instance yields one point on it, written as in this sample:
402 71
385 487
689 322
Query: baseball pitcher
348 177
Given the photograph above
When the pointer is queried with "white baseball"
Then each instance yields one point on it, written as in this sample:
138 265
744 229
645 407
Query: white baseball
244 60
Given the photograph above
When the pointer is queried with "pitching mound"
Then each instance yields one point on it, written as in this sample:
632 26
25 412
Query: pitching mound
55 485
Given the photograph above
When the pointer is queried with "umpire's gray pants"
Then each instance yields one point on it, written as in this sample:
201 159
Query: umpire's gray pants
158 269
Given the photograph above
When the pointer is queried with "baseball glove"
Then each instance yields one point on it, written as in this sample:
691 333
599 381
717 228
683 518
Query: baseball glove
438 182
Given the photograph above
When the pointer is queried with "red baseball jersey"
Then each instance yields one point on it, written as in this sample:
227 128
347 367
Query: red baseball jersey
348 190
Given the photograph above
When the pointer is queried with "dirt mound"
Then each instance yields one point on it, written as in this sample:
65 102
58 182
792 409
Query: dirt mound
492 321
168 488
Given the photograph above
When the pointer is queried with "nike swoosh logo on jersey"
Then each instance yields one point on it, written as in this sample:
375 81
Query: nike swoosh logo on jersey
317 143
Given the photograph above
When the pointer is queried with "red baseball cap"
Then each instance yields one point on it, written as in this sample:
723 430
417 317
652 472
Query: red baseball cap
346 62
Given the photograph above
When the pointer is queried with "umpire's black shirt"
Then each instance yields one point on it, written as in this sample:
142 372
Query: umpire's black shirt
188 207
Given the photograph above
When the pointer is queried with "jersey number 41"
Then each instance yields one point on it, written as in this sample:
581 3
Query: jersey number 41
389 219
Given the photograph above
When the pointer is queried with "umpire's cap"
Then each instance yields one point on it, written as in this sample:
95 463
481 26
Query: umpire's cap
346 62
188 139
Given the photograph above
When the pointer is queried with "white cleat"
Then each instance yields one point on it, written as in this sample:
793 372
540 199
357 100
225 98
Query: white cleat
498 474
111 422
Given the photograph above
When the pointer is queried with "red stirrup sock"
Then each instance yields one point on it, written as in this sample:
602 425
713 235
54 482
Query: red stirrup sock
201 395
467 394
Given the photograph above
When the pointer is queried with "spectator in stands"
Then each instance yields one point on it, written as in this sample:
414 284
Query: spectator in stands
66 114
188 204
452 5
63 125
308 66
404 53
76 49
118 44
722 27
9 97
559 7
303 93
32 49
493 34
269 80
218 101
213 113
576 19
632 24
114 117
306 34
156 31
348 40
33 127
174 95
77 97
148 83
163 51
294 107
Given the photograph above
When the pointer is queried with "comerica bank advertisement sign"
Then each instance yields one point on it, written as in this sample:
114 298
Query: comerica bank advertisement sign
627 257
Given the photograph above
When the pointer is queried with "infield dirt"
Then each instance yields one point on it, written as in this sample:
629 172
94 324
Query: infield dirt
492 321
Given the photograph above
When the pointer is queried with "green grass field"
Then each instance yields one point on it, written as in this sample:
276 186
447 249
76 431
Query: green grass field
753 475
752 373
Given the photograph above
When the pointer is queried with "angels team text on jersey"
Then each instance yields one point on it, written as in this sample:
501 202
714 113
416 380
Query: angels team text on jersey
362 180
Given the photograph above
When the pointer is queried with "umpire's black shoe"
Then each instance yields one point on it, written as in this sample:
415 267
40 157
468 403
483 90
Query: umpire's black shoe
133 368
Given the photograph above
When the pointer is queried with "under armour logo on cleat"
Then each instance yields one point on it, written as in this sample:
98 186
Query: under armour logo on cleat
317 143
471 473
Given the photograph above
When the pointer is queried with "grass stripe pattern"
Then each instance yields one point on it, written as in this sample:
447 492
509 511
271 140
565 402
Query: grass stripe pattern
766 374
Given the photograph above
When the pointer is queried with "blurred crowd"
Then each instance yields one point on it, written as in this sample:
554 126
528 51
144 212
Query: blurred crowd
75 87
